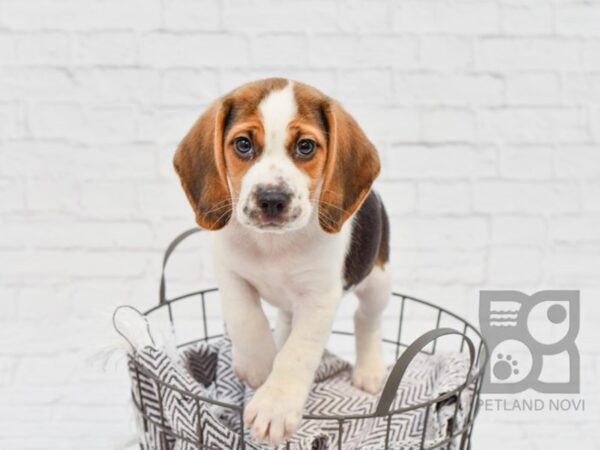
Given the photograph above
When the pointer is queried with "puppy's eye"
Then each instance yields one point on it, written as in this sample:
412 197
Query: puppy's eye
305 148
243 146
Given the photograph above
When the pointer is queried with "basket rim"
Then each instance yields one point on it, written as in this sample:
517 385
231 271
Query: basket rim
472 381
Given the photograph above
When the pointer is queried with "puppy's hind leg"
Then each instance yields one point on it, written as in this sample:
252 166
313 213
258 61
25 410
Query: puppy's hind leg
373 296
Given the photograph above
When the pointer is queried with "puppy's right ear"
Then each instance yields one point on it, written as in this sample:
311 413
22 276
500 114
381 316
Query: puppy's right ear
200 164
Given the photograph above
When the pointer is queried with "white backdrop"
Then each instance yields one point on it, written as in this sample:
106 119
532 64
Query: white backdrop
486 114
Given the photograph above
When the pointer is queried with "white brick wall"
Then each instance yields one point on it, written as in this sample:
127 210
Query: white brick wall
486 114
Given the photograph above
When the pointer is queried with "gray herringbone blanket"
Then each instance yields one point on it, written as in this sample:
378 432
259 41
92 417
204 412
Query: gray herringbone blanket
179 422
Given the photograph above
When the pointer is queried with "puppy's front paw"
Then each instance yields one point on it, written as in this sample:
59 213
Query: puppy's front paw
369 377
253 370
274 413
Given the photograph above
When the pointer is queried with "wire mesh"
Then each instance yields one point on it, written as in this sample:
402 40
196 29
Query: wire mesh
396 340
456 438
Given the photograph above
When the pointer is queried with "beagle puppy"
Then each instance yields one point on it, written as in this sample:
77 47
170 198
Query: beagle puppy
283 176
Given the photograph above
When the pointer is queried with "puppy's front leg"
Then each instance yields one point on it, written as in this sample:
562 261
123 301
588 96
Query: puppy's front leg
283 328
276 409
253 346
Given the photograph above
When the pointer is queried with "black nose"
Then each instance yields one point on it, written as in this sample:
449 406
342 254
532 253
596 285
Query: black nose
272 203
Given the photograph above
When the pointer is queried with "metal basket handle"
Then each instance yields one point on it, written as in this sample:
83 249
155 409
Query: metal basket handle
172 246
397 373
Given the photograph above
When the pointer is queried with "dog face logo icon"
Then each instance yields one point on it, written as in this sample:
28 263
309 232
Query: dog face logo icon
532 341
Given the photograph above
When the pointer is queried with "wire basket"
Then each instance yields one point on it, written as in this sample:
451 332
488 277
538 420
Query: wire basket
200 308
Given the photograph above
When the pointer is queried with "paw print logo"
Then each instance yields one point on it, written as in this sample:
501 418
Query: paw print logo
511 362
505 367
526 333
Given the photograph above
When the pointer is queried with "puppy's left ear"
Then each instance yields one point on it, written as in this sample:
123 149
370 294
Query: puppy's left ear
200 164
352 166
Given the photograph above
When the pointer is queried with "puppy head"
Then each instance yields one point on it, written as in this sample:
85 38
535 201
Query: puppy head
272 153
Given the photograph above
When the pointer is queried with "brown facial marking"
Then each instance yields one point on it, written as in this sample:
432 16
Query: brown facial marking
349 164
310 124
352 166
203 159
344 163
246 122
237 167
201 168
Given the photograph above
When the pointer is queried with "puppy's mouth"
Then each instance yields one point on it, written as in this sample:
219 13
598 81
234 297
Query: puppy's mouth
256 218
270 225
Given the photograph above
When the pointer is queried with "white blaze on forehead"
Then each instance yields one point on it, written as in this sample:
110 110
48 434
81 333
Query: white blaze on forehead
277 110
275 167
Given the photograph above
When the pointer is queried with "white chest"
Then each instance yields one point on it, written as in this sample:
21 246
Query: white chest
284 268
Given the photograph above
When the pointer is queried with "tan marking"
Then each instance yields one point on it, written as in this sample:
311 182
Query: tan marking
201 169
309 124
237 167
352 166
344 165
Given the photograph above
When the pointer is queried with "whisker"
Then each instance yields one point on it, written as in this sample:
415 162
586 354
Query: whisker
331 205
327 218
227 203
223 215
330 191
214 210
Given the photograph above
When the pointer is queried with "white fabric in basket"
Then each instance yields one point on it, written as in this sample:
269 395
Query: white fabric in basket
206 370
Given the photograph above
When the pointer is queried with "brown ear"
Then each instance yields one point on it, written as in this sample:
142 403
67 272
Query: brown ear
352 166
200 164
